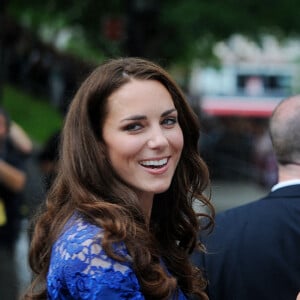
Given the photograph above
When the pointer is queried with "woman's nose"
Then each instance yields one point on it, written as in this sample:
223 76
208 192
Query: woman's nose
157 139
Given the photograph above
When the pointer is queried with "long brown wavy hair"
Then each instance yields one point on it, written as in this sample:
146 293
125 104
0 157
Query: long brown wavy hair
87 183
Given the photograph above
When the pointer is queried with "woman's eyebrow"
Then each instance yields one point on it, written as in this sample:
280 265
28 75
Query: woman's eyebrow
143 117
168 112
134 118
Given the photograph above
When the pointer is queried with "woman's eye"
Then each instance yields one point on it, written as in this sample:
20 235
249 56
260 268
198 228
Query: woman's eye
133 127
169 121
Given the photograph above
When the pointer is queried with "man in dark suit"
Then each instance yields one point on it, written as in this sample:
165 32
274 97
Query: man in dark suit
254 250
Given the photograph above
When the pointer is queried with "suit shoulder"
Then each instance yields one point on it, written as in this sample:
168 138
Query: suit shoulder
241 210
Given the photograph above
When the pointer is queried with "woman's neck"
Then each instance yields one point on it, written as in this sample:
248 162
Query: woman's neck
146 201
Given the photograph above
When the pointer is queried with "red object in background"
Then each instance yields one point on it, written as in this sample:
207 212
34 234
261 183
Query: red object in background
113 28
239 106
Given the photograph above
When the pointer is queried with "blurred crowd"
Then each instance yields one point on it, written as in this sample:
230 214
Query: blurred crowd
239 148
26 174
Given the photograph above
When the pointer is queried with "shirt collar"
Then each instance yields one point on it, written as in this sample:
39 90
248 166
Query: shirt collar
285 183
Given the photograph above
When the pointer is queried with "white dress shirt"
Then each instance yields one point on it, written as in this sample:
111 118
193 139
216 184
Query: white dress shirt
285 183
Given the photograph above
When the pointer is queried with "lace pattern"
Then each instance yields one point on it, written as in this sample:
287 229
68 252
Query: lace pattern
80 269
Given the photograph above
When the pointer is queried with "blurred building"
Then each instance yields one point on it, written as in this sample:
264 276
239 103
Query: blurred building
251 79
236 101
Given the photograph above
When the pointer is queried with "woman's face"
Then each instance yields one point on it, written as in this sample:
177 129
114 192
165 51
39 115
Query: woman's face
143 136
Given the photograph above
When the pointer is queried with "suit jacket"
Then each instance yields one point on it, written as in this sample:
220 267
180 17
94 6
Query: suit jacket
254 250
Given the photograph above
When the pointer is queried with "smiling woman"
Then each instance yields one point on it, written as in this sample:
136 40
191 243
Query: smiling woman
151 136
119 221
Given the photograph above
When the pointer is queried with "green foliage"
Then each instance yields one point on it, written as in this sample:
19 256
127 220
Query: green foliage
83 19
81 48
35 115
172 31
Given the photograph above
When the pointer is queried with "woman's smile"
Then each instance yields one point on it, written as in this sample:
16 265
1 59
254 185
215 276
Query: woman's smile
154 164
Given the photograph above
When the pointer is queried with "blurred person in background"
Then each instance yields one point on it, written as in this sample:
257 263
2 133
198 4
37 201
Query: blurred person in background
12 181
20 139
118 222
253 252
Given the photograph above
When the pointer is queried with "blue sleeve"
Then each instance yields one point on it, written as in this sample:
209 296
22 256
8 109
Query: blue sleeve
80 269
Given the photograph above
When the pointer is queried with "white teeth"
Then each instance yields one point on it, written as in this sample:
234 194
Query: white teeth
156 163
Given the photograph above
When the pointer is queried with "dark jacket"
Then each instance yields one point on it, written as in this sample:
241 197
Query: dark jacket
12 200
254 250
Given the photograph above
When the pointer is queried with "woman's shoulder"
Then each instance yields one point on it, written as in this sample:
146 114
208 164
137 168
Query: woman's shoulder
78 231
79 264
80 243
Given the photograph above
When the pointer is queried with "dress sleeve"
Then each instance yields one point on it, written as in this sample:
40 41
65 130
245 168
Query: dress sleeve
80 269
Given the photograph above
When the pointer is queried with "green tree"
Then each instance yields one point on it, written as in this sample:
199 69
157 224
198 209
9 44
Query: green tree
169 31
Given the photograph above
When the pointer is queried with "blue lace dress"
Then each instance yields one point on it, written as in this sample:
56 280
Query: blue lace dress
80 269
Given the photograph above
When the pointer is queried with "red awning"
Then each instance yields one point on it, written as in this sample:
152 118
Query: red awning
239 106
